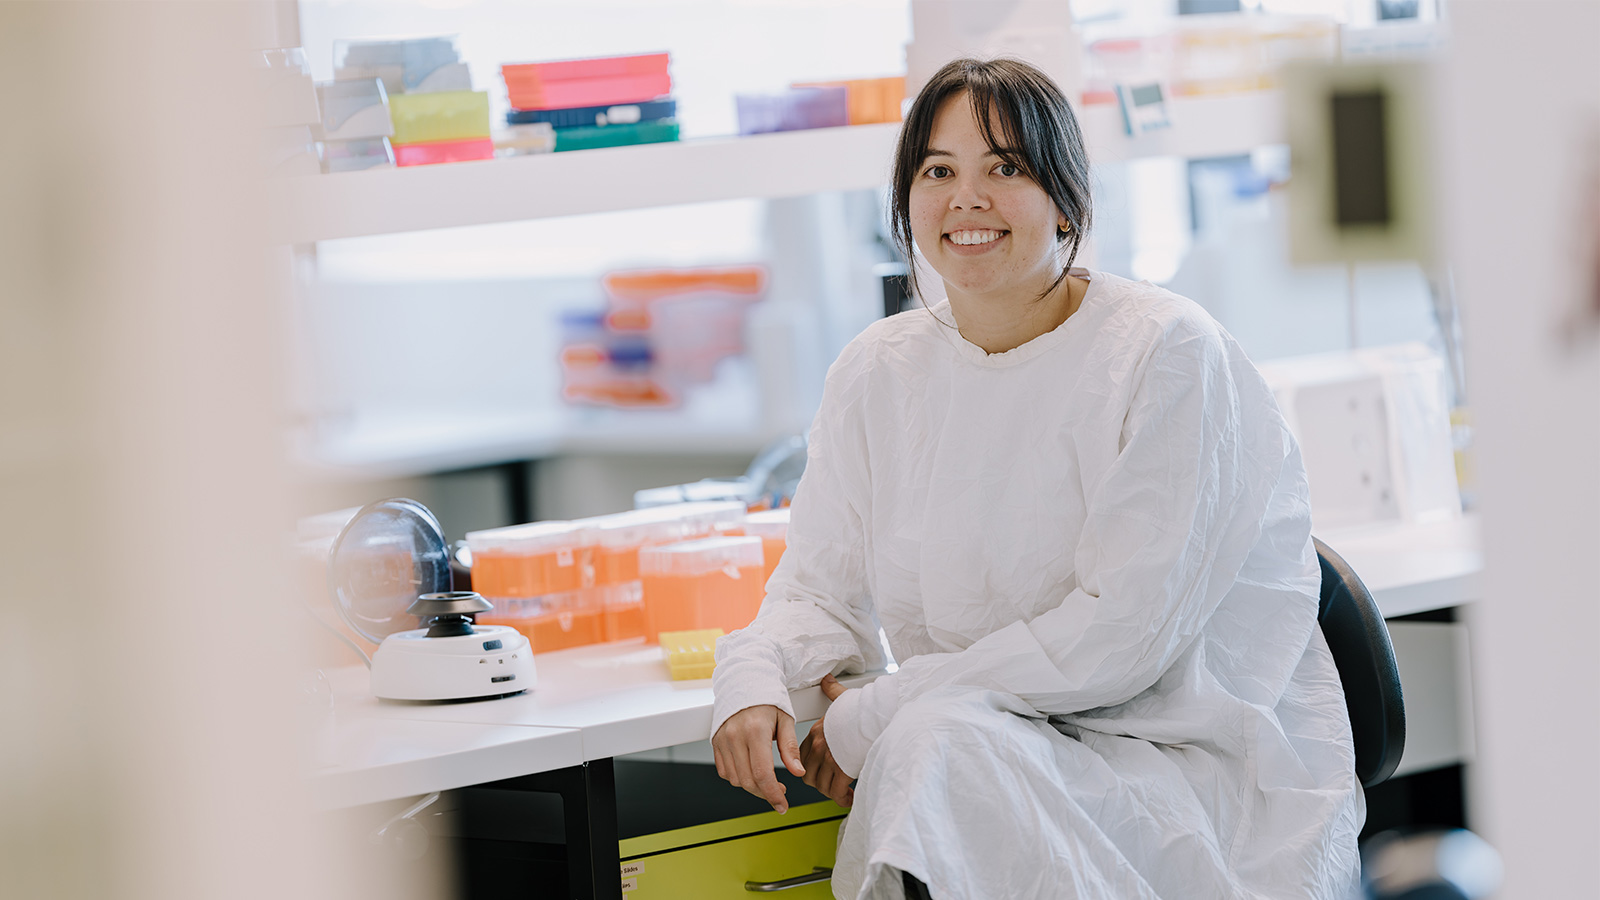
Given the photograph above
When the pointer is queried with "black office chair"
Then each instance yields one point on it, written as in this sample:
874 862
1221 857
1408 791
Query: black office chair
1359 642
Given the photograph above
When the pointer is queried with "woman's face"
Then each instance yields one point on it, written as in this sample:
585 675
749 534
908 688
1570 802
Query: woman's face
985 227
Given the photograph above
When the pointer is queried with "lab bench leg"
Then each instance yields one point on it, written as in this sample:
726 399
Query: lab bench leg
589 808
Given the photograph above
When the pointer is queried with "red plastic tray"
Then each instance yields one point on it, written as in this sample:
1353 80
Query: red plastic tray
598 67
588 92
432 152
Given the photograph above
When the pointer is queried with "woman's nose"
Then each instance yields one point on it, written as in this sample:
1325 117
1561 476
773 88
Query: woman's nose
968 196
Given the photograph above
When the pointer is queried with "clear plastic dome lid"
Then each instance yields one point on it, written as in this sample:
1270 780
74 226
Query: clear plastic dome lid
390 553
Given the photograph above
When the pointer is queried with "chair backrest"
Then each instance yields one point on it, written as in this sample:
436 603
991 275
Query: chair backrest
1359 641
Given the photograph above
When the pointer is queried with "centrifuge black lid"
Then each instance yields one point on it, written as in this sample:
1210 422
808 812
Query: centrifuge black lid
390 553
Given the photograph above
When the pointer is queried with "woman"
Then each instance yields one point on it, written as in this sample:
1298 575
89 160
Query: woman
1073 506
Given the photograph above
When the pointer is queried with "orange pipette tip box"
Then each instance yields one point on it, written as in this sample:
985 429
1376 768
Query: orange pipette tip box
531 560
709 583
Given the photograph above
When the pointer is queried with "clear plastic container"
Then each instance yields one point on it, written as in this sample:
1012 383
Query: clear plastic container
355 155
772 526
525 140
708 583
710 518
411 65
693 318
531 560
353 110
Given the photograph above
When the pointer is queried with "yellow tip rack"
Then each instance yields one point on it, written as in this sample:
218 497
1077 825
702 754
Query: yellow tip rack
690 654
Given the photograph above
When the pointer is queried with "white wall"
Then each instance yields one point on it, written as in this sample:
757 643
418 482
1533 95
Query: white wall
1523 98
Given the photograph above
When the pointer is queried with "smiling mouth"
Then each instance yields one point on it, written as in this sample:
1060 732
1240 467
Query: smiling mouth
975 237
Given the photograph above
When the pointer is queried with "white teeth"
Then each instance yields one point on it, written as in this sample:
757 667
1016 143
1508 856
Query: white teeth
974 237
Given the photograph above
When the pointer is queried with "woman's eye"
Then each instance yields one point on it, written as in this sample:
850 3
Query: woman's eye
1008 170
938 171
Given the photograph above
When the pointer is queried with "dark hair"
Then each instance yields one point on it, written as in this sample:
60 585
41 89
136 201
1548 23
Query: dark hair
1037 133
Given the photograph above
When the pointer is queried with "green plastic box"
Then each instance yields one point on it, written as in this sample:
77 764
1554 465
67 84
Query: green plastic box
442 116
656 132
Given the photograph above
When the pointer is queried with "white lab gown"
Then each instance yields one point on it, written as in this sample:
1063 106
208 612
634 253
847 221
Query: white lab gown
1091 555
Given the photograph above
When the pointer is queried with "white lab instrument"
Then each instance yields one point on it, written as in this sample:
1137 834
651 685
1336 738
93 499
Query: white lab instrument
1374 429
1144 108
1091 556
389 570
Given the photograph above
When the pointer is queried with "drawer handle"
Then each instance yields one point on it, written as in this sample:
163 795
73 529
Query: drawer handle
818 874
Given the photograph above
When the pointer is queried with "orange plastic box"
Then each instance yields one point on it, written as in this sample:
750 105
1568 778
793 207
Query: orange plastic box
554 621
623 608
709 583
619 537
870 100
772 526
644 285
531 560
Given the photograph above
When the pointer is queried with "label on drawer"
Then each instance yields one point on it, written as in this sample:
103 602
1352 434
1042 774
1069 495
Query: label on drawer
630 884
630 869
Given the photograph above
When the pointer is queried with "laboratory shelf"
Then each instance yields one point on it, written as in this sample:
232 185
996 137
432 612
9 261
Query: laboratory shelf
391 200
1221 125
400 446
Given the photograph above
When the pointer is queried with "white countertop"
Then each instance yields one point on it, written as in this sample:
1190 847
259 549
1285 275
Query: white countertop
616 696
607 700
364 759
1415 568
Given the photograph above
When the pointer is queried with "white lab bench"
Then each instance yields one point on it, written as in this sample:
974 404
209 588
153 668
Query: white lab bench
594 703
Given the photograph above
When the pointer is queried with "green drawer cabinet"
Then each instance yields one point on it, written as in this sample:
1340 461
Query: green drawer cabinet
681 832
714 861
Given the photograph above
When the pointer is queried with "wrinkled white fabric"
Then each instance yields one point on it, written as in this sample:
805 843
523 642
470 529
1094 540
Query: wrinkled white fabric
1092 556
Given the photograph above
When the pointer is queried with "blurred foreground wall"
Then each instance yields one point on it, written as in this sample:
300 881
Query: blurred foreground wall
147 739
1523 176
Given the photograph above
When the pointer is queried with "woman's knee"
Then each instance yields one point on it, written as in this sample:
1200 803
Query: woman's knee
952 717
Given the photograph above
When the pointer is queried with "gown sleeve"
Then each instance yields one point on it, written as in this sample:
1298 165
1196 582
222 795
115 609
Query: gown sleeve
817 617
1169 525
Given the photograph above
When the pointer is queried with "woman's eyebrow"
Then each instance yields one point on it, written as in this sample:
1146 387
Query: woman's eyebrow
996 152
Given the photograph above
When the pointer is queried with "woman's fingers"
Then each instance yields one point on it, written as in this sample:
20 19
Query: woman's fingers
788 747
767 785
808 762
831 688
812 753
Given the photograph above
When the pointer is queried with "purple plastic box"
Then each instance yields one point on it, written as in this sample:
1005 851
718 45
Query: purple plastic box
793 110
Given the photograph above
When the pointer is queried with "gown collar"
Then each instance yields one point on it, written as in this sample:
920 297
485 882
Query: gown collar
1042 344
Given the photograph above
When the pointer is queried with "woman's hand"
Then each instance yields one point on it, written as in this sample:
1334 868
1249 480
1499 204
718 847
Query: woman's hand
820 771
743 750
